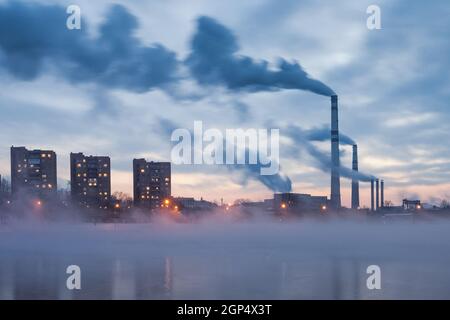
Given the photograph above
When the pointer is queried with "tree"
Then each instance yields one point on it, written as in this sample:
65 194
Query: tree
121 196
445 204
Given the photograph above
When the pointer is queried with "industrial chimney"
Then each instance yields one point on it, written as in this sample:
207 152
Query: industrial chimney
382 193
335 198
355 182
377 198
371 195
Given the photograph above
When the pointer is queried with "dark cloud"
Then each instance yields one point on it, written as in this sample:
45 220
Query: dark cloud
214 60
34 39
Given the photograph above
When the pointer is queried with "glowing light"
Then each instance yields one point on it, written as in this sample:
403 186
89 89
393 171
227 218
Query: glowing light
166 202
324 207
117 206
39 203
283 206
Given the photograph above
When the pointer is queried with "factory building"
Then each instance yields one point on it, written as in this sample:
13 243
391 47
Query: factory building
411 205
187 205
151 183
90 180
299 203
33 173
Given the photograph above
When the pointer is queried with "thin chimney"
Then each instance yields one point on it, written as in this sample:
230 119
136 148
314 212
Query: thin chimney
382 193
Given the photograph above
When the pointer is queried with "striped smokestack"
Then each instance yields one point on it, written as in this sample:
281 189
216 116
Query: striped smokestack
335 198
355 182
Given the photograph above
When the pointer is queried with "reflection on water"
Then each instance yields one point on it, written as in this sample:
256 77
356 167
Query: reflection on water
188 269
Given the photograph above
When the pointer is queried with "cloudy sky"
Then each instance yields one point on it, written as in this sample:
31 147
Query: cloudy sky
137 69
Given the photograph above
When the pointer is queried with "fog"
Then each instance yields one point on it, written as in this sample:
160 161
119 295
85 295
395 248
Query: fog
222 258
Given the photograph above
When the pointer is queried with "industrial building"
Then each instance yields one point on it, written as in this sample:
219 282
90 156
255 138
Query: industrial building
151 183
33 173
90 180
188 205
299 203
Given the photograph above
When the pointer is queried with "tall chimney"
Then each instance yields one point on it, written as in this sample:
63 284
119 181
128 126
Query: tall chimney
355 182
371 195
382 193
335 176
377 198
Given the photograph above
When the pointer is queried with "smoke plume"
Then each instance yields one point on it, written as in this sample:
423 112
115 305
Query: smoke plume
214 60
278 182
34 39
323 134
302 139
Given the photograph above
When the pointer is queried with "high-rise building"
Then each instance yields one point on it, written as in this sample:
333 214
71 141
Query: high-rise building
151 183
90 180
33 172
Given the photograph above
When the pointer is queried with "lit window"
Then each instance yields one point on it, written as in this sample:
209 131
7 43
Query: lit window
78 165
142 170
50 185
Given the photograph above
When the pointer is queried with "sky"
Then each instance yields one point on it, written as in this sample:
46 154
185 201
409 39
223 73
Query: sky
136 69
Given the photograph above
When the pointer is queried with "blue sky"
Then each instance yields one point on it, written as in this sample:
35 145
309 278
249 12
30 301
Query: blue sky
393 86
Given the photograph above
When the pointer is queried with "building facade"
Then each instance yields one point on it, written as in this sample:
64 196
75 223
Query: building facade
151 183
33 172
90 180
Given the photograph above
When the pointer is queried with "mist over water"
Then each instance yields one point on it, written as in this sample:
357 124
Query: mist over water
225 259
